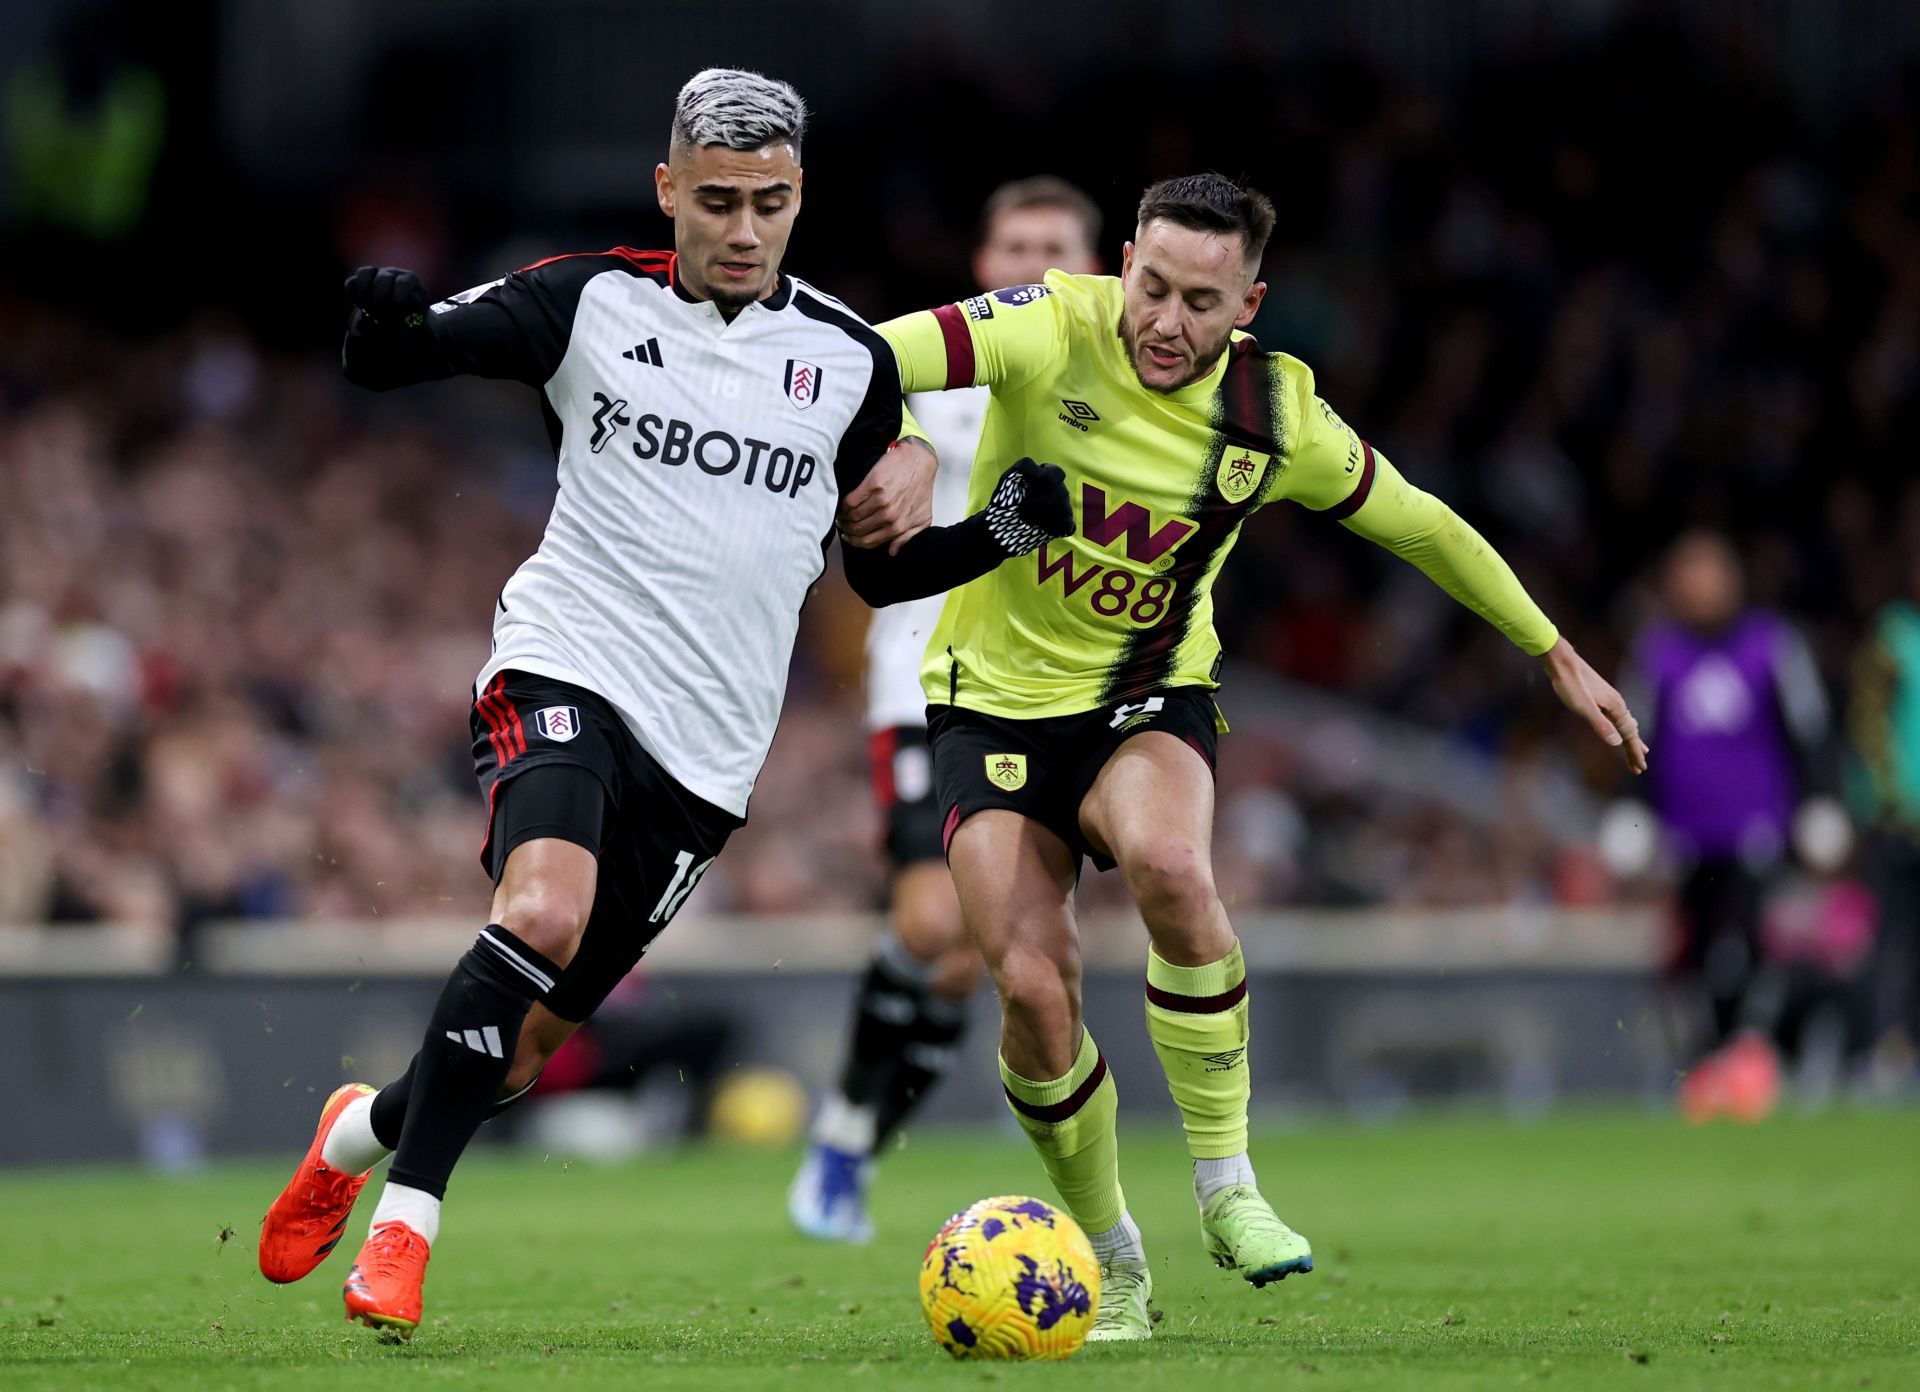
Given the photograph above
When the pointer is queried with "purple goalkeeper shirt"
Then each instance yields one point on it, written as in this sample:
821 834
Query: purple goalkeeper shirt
1727 710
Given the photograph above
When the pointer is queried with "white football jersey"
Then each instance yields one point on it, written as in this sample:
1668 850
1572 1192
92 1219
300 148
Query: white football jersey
701 464
897 635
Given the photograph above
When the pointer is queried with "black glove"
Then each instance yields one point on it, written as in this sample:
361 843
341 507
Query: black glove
1029 505
389 295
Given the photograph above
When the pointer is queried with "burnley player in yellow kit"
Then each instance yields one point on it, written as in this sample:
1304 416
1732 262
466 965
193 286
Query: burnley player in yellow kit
1071 693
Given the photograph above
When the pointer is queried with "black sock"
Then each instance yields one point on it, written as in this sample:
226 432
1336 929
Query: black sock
457 1074
891 997
937 1028
389 1112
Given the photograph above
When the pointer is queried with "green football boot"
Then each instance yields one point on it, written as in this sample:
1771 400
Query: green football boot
1242 1232
1125 1287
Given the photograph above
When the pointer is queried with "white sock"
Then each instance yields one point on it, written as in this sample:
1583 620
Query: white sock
1121 1242
351 1147
1211 1176
844 1126
416 1208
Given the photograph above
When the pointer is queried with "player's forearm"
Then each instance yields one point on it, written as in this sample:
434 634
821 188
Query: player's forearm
1029 505
381 356
1418 527
933 561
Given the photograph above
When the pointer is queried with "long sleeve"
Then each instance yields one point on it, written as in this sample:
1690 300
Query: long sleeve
1003 337
934 561
514 329
1331 469
1418 527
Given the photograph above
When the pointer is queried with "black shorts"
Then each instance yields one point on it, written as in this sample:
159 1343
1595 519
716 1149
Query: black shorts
555 760
903 786
1044 768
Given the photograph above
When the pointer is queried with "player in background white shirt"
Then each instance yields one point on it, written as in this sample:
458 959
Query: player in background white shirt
912 1003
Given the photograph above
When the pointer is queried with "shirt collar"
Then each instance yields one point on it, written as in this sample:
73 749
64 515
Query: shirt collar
781 297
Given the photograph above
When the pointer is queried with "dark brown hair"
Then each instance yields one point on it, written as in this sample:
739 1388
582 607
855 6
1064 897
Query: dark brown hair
1043 191
1212 203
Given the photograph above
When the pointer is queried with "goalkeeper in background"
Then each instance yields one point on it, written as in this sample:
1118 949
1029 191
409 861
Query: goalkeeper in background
912 1003
1072 692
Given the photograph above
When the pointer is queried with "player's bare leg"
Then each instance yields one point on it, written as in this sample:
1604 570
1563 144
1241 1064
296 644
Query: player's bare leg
1151 809
1016 880
471 1055
909 1014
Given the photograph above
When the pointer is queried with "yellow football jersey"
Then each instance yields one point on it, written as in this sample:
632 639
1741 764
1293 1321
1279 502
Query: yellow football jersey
1161 485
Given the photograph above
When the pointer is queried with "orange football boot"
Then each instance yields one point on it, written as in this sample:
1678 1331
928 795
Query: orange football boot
1703 1092
383 1288
1751 1077
305 1222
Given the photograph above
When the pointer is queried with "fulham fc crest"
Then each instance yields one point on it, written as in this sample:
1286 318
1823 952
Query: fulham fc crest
803 383
558 723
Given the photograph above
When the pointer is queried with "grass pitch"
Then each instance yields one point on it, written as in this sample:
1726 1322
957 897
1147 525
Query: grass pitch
1610 1250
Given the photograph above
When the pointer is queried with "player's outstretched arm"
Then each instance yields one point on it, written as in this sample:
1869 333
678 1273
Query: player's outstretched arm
1029 505
514 328
388 343
1418 527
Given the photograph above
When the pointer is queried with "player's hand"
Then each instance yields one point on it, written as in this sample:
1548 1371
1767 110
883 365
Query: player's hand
389 295
1029 505
1584 692
894 501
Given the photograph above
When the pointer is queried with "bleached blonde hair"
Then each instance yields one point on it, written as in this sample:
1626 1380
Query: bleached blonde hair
738 109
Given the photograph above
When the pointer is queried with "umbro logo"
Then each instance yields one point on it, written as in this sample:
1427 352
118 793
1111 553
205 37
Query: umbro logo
1225 1063
1078 413
648 352
485 1040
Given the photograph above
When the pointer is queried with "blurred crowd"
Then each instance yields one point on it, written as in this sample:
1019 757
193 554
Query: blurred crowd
1591 301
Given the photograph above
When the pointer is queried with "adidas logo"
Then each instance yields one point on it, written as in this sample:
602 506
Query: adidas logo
481 1041
648 352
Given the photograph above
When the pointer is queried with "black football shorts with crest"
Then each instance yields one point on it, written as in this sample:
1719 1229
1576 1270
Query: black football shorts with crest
556 760
1044 768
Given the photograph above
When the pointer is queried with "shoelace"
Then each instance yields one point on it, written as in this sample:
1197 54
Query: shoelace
1260 1219
1112 1303
326 1192
390 1251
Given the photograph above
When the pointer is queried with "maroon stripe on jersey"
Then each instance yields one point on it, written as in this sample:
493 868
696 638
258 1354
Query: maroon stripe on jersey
1244 415
1060 1111
953 330
1360 489
1197 1005
1199 749
651 263
882 747
952 825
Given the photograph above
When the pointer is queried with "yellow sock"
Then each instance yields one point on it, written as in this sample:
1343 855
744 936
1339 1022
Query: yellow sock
1073 1123
1197 1019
